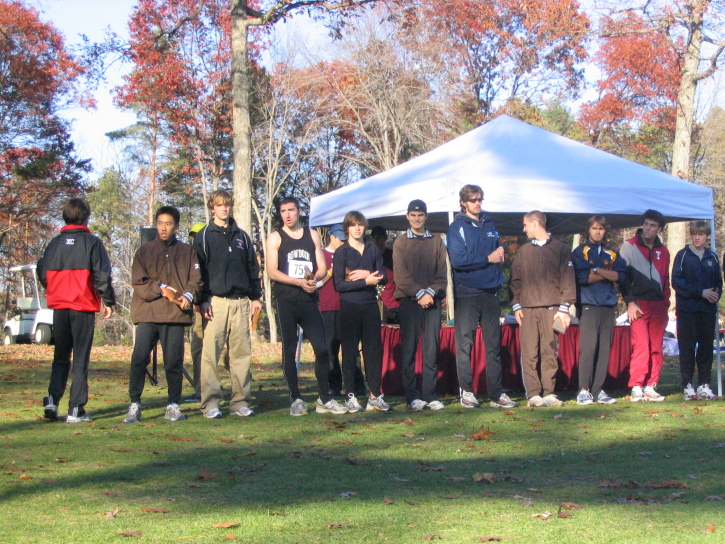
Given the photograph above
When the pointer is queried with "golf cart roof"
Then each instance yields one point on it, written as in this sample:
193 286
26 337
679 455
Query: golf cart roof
23 267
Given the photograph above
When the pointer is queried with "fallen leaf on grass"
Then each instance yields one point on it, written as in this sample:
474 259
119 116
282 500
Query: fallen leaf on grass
609 483
644 453
456 478
112 514
181 439
711 528
227 524
197 485
131 533
386 500
230 536
332 525
481 434
121 450
226 440
160 464
406 501
447 497
715 498
558 416
47 480
243 437
61 460
205 474
154 510
486 477
488 539
509 412
25 477
110 493
543 515
567 506
433 537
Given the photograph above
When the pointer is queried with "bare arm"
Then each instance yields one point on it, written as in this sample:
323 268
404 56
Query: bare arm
319 257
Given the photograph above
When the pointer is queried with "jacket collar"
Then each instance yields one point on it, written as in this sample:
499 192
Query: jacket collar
75 227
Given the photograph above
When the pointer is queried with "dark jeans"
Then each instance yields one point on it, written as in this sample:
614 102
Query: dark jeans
413 318
695 329
483 309
596 327
73 332
333 331
172 344
362 324
308 316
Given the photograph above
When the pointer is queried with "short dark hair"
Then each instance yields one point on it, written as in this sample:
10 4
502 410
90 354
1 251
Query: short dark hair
288 200
536 215
353 218
700 227
168 210
76 212
467 191
378 230
654 215
597 219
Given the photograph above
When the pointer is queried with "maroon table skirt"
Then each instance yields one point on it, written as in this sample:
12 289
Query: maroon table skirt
566 378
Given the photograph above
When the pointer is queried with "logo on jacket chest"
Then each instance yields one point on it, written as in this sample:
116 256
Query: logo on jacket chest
658 255
70 241
239 242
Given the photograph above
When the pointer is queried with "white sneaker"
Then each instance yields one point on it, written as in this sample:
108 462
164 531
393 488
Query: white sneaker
468 400
652 395
584 398
298 408
689 393
705 393
503 402
552 400
417 405
213 413
77 415
173 413
352 404
243 411
603 398
378 405
435 405
330 407
537 402
134 413
637 395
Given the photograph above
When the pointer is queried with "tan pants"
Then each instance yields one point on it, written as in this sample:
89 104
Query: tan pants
538 349
229 325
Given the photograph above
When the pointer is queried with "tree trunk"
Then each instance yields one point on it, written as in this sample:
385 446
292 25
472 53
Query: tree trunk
241 125
677 232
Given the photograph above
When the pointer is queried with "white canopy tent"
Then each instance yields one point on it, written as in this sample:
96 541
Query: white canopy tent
520 168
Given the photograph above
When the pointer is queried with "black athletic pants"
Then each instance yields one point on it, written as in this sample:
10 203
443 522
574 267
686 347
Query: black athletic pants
362 324
596 327
172 345
73 332
307 315
413 318
695 329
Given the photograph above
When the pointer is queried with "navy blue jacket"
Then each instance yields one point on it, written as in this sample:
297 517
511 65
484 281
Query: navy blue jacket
345 260
690 276
469 243
590 255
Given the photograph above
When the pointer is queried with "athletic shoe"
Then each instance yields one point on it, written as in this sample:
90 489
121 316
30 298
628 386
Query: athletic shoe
651 395
352 404
77 415
504 402
435 405
637 395
690 393
468 400
378 405
173 413
417 405
51 410
552 400
537 402
298 408
603 398
584 398
705 393
330 407
134 413
192 399
213 413
244 411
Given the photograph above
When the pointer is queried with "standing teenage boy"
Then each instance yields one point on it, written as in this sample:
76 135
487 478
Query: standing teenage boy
476 255
76 274
543 286
646 291
420 270
698 286
166 280
295 264
231 284
598 269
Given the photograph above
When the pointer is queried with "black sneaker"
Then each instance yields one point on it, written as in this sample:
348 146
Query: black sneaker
77 415
51 409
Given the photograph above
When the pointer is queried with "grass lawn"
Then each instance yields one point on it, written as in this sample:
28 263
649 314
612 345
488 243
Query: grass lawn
647 472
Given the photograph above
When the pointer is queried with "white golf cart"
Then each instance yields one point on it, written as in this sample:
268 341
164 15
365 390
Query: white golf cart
33 320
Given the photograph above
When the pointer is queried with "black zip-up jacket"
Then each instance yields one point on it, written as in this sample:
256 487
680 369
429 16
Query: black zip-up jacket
690 276
347 259
229 266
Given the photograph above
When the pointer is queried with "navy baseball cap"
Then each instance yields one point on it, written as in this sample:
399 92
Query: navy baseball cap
418 206
338 231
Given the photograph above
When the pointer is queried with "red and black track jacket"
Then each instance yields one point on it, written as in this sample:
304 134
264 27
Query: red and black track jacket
648 270
76 272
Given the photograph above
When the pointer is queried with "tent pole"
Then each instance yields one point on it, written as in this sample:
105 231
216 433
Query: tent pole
717 319
450 308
